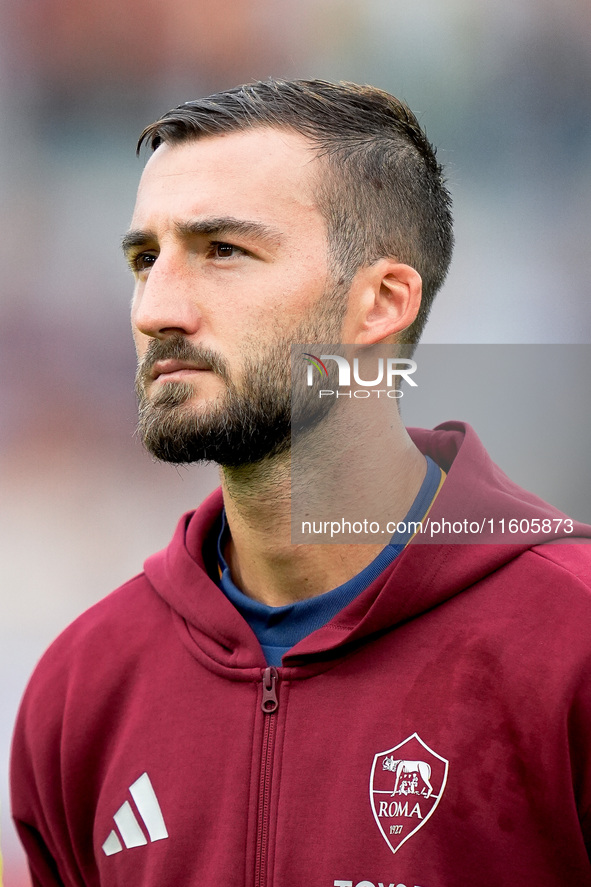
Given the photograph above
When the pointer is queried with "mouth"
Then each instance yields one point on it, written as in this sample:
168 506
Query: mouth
171 370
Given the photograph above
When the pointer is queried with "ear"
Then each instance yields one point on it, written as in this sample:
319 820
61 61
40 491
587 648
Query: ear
384 299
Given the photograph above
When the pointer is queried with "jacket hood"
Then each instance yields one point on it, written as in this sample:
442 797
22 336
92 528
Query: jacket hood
427 573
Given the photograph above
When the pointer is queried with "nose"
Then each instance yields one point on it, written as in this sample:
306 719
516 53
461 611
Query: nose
165 299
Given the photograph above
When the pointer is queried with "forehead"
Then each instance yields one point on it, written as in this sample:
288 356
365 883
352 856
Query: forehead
263 173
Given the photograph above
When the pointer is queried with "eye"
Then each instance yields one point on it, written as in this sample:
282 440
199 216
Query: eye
142 262
221 250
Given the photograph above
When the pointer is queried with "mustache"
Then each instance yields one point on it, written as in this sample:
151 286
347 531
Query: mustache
178 348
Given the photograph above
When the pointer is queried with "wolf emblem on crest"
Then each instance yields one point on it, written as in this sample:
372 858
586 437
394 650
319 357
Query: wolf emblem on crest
420 777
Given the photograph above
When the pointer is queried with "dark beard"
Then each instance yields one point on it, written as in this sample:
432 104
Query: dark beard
242 426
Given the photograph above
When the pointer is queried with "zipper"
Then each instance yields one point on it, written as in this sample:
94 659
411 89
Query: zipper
269 705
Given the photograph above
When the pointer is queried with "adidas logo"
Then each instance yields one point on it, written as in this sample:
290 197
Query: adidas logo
129 828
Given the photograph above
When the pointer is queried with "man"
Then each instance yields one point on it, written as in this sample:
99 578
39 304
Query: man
253 712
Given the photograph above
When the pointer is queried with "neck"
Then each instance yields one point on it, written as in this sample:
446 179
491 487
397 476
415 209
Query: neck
264 562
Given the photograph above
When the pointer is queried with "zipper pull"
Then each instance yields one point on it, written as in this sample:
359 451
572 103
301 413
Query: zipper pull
270 702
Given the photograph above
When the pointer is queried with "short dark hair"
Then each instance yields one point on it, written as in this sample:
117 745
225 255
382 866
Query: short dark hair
381 189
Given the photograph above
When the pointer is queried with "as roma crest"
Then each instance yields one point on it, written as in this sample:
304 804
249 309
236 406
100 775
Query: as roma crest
405 788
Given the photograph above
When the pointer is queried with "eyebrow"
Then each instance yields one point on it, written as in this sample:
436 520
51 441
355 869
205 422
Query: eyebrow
218 227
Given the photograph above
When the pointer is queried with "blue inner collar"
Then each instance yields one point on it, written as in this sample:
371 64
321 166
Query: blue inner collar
278 629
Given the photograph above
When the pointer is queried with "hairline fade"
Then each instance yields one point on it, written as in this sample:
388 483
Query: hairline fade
380 189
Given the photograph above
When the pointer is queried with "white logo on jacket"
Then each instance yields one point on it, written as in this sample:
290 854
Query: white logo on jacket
420 776
342 883
128 827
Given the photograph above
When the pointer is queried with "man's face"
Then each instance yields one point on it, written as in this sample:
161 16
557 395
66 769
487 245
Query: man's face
230 256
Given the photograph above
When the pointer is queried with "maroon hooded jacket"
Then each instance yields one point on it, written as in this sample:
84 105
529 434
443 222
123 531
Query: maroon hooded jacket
436 733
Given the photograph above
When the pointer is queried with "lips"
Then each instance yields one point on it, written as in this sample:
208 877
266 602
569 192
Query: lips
163 369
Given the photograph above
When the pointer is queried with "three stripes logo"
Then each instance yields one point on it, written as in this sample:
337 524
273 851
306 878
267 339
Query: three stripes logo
128 827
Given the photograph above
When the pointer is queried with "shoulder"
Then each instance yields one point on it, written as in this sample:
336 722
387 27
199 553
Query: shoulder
92 653
541 605
118 616
569 559
553 575
72 683
560 573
